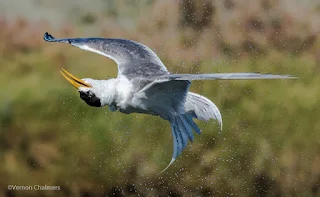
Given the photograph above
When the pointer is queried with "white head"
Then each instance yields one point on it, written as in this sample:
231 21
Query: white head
96 93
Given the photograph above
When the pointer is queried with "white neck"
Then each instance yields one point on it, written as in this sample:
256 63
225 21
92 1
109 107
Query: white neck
105 90
113 92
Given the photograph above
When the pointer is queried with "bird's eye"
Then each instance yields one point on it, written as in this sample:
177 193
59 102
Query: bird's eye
91 95
90 99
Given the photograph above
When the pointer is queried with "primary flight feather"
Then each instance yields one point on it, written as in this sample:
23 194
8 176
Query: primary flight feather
144 85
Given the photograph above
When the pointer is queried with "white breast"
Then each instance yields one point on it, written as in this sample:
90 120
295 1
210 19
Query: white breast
124 92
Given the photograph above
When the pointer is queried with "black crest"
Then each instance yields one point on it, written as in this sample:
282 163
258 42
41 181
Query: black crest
90 99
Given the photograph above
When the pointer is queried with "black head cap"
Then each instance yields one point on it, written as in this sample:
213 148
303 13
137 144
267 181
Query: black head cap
90 98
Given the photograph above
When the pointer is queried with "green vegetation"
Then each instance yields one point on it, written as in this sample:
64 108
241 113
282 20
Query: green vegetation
270 133
269 145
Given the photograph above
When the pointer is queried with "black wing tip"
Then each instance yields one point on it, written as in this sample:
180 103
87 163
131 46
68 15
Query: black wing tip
48 37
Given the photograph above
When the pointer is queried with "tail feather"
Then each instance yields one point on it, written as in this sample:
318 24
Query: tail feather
181 126
188 118
182 133
196 106
187 128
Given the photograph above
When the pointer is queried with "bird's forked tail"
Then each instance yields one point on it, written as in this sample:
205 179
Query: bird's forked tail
182 126
196 106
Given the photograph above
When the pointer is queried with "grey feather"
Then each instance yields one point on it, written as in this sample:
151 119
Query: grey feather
134 59
164 98
223 76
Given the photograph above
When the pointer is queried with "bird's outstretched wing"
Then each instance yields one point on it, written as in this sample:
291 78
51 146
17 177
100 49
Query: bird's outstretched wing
222 76
134 59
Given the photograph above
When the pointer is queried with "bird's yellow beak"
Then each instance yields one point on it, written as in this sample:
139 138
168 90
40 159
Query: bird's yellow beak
76 82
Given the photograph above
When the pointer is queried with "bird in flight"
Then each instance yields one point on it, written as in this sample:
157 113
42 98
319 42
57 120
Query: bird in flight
144 85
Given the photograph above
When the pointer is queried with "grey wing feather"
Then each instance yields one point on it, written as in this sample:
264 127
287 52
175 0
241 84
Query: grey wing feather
202 108
163 98
223 76
134 59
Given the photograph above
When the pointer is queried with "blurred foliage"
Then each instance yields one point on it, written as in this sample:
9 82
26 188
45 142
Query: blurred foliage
270 142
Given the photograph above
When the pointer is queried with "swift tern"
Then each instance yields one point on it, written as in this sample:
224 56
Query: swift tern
144 85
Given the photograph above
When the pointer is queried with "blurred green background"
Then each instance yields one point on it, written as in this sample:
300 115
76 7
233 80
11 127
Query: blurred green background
270 144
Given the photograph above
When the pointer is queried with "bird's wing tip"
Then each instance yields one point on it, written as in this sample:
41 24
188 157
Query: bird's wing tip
48 37
284 76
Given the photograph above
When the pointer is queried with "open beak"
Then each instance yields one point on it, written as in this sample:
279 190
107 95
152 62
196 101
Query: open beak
76 82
